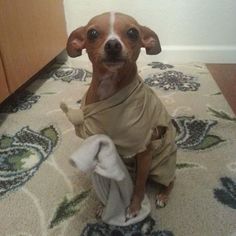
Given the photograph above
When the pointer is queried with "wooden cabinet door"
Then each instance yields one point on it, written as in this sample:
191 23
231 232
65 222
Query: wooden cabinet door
32 33
3 84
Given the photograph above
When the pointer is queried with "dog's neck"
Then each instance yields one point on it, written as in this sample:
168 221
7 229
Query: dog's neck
106 83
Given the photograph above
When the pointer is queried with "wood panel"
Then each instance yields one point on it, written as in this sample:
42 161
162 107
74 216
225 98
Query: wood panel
3 84
32 34
225 77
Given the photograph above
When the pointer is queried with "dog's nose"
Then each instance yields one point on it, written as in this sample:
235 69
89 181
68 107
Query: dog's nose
113 46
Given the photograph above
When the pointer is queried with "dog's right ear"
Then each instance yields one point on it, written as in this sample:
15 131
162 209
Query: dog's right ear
76 42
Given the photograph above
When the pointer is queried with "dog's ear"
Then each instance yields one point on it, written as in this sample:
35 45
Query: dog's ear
150 41
76 42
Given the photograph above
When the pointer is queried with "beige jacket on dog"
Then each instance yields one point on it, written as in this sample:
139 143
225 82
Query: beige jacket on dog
129 118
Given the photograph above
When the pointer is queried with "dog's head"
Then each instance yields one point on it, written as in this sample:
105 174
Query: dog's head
112 39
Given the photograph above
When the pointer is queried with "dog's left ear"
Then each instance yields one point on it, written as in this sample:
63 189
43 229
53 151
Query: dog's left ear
150 41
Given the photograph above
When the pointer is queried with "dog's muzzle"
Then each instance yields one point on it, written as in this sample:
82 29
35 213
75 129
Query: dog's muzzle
113 57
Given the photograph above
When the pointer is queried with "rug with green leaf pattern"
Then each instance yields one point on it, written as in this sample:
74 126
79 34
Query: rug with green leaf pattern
41 194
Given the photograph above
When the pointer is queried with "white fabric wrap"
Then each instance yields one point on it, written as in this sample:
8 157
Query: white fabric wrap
110 177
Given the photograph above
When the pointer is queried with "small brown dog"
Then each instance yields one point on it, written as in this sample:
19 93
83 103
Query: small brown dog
121 106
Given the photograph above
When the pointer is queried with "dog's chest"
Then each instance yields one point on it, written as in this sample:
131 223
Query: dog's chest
128 118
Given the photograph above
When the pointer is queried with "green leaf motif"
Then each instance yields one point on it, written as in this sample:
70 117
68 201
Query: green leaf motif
227 193
6 142
48 93
68 208
51 133
218 93
186 165
209 141
17 162
221 114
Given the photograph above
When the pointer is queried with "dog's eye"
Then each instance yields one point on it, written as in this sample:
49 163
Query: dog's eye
92 34
133 34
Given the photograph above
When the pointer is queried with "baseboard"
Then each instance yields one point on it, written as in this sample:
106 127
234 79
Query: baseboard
204 54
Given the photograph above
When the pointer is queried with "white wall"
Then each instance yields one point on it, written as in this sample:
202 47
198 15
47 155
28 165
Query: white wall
189 30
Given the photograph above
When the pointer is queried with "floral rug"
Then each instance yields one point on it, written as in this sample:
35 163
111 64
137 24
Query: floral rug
41 194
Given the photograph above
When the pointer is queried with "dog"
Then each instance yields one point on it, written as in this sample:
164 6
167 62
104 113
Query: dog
121 106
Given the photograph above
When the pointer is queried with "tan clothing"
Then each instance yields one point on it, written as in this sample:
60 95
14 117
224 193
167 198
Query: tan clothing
129 118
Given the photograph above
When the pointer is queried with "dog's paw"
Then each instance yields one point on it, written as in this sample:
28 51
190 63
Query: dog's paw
163 195
161 201
130 214
133 210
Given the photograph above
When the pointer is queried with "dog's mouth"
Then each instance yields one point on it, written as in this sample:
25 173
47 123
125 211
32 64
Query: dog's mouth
113 62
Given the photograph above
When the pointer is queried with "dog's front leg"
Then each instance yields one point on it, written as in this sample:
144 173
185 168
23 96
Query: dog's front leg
143 165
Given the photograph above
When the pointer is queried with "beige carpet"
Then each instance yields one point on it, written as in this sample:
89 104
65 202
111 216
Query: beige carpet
43 195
